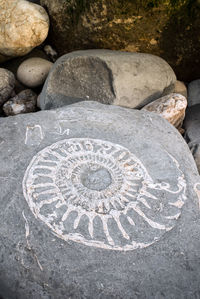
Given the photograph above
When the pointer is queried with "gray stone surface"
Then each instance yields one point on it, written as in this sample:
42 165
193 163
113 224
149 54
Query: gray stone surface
97 201
7 84
194 93
23 102
110 77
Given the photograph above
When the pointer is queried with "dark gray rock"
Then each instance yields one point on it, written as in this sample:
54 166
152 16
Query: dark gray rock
194 93
97 201
24 102
192 123
7 84
110 77
192 132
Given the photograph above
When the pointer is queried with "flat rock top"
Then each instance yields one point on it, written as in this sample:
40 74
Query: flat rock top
97 200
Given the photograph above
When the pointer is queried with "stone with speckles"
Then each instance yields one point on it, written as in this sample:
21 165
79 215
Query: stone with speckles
33 71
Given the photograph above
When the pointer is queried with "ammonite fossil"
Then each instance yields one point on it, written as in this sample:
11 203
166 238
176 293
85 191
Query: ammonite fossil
100 194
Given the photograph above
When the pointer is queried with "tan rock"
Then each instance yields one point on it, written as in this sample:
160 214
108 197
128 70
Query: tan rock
33 71
180 88
23 26
171 107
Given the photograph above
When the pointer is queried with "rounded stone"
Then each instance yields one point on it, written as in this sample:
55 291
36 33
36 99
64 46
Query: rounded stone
7 84
33 71
23 26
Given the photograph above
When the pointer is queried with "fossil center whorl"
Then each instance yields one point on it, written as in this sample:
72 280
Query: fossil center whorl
96 178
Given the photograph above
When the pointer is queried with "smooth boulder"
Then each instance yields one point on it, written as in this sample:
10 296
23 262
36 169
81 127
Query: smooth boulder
171 107
33 71
97 201
23 26
111 77
7 84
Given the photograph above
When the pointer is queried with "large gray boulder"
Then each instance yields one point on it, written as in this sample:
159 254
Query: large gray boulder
110 77
97 201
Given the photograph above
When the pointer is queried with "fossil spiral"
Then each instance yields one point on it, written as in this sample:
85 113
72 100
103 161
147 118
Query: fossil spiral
100 194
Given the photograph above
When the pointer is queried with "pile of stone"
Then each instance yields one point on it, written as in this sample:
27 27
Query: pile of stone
99 192
31 73
131 80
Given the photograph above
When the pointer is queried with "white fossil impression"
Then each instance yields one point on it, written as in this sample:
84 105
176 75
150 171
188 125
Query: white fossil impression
99 194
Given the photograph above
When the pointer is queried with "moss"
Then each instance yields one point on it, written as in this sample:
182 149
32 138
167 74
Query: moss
167 28
76 8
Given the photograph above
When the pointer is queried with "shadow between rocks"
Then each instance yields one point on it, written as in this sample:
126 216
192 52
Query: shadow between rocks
180 40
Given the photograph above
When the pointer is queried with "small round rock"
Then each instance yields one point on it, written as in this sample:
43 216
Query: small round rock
7 84
33 71
24 102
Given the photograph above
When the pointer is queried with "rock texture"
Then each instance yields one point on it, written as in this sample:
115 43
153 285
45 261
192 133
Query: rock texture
136 26
171 107
194 93
111 77
7 84
23 26
33 71
97 205
24 102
